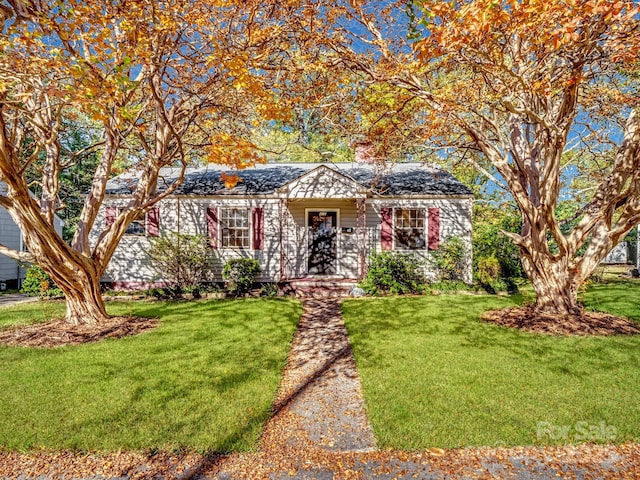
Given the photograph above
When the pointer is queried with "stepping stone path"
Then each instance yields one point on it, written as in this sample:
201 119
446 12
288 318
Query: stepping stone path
319 404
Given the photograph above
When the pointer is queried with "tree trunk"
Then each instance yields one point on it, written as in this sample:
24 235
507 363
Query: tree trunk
84 301
556 286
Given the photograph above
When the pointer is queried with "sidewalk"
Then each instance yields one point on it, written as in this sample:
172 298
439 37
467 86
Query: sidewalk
15 299
319 404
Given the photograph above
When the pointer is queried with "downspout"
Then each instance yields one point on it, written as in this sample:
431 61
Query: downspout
362 214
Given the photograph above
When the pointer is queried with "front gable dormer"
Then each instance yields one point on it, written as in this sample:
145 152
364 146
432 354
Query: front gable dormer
323 182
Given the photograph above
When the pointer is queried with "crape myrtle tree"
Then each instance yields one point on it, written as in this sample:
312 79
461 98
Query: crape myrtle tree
164 82
522 82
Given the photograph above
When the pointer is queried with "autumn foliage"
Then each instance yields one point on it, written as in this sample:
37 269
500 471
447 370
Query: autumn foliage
523 83
166 82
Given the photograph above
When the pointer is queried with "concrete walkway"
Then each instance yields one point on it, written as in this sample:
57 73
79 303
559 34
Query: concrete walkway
15 299
319 403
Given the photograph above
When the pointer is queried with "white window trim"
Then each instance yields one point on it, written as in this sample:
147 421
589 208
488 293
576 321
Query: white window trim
425 213
221 227
146 224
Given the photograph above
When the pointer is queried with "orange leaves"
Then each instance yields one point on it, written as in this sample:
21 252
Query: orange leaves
234 151
230 180
486 25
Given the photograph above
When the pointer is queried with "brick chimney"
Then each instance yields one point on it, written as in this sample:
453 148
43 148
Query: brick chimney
365 153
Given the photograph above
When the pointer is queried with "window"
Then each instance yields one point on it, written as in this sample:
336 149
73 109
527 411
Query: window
137 226
409 229
235 227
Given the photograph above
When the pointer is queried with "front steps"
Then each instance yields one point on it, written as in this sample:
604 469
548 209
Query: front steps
317 287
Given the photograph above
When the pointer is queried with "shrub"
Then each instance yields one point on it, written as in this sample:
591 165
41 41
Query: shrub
488 270
449 259
269 290
394 273
183 260
240 275
449 286
489 222
38 283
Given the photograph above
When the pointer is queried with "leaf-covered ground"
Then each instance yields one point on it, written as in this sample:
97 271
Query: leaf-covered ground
572 462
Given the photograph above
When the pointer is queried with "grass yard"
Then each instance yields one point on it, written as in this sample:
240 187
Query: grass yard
434 375
204 380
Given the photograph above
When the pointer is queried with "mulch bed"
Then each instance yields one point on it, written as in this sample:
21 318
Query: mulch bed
586 323
58 333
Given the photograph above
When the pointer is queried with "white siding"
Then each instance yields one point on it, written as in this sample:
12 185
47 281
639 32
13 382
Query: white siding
455 221
9 237
130 262
322 183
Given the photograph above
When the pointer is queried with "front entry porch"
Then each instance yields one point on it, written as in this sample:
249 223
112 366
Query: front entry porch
322 227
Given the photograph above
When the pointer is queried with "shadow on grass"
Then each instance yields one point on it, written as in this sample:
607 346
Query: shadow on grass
204 379
456 318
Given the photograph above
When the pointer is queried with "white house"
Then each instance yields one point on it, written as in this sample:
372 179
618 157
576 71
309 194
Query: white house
11 272
300 221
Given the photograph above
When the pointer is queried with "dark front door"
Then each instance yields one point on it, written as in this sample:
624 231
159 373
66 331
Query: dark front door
323 248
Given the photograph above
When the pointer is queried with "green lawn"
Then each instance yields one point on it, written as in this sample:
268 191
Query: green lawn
434 375
203 380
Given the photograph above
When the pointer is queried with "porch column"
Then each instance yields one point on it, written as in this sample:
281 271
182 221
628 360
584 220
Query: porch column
281 212
361 212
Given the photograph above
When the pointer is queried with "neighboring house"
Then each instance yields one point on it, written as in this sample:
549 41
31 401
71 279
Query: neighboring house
618 254
12 272
299 221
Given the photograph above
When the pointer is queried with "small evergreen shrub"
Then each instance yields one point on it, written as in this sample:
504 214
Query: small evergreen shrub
163 293
394 273
449 259
449 286
240 275
38 283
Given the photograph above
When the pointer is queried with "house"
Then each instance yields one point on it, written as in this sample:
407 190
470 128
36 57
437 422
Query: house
300 221
11 271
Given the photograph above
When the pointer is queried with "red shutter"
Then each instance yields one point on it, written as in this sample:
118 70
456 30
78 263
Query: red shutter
434 228
153 222
112 213
258 228
212 226
386 231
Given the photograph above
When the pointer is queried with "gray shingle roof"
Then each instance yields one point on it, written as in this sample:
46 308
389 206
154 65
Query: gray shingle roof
397 179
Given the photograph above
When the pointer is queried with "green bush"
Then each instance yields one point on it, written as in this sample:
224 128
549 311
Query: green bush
38 283
489 222
269 290
449 259
395 273
488 269
449 286
163 293
183 260
240 275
